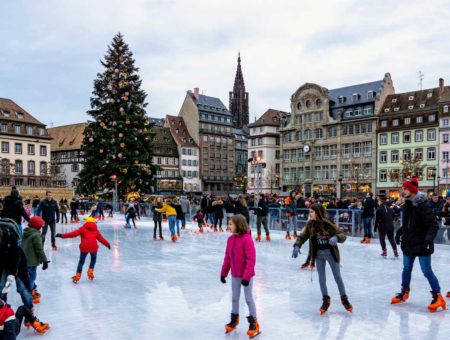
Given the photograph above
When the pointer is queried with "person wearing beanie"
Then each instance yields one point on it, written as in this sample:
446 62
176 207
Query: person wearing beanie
89 236
34 252
416 236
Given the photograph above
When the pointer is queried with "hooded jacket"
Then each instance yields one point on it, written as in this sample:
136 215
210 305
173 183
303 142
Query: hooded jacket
32 247
89 237
13 208
419 227
240 257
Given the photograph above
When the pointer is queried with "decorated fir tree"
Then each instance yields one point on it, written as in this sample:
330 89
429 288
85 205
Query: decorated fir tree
117 144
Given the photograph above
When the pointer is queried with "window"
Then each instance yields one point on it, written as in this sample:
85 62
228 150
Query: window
356 149
75 167
418 153
317 152
30 149
308 104
325 152
445 122
205 138
431 134
31 168
396 109
386 110
406 155
298 120
407 120
5 147
308 118
319 105
183 162
383 157
333 151
370 95
384 123
318 115
332 131
395 138
394 156
4 127
445 109
431 154
299 106
445 138
383 139
16 128
18 148
29 130
367 148
260 141
419 136
346 150
318 133
345 171
355 97
307 135
410 107
43 150
431 118
419 119
395 122
298 136
19 167
394 100
317 173
406 137
411 98
445 156
277 154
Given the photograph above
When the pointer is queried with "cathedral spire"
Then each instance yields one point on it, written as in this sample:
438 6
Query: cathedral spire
239 98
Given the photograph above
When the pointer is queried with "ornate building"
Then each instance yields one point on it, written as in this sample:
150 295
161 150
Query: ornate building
239 99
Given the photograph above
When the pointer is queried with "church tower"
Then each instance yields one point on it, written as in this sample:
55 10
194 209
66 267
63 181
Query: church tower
239 99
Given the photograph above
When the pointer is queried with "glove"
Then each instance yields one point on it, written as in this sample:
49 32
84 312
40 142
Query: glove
222 279
429 245
333 241
245 283
295 252
9 281
45 265
397 239
59 235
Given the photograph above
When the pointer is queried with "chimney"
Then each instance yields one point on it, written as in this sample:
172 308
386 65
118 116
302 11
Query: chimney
441 85
196 92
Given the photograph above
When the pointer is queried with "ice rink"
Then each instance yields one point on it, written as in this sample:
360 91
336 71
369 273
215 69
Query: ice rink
147 289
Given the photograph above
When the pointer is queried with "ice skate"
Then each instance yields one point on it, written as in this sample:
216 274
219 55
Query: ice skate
90 274
305 265
295 235
258 238
364 240
438 301
174 238
154 238
221 229
253 327
161 238
287 237
346 303
384 253
76 278
215 229
268 238
200 230
325 304
183 228
178 234
40 327
401 297
232 324
36 294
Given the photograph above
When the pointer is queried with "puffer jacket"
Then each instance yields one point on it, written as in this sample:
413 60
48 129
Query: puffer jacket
240 257
89 237
13 208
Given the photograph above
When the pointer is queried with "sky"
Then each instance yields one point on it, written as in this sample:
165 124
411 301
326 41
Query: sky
51 49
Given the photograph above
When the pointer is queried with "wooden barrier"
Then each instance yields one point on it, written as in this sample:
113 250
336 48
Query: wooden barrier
25 192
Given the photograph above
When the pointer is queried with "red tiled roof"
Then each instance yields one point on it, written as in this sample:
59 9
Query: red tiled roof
270 118
67 137
179 131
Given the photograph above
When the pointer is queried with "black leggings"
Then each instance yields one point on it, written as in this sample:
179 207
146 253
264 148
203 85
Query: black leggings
63 216
157 224
218 222
390 236
73 216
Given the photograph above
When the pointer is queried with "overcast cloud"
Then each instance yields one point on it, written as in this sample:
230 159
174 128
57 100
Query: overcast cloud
51 49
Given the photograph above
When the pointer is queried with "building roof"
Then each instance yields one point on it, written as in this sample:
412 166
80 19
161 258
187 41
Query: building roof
271 117
163 142
67 137
209 104
179 131
360 90
12 112
411 101
157 121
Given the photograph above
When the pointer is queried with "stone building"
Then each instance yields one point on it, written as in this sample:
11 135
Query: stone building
241 157
25 148
239 99
210 124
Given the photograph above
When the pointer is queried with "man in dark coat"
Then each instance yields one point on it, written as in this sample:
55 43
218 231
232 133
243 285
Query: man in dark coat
49 211
384 223
13 209
367 215
419 228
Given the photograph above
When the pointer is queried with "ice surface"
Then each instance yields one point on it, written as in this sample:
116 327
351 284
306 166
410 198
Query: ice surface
147 289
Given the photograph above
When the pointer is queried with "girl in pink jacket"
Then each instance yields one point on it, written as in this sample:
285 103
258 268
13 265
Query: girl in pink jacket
240 257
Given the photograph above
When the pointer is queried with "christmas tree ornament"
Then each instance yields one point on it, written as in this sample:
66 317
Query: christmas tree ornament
116 70
120 134
122 145
91 139
119 155
101 150
127 122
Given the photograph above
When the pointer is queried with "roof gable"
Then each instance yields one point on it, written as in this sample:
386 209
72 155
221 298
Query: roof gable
16 113
67 137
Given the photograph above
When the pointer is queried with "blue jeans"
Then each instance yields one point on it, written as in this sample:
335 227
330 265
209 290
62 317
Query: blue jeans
367 227
178 224
83 258
23 291
172 219
32 273
183 220
35 210
425 265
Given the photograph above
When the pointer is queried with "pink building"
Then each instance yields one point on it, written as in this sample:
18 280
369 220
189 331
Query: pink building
444 138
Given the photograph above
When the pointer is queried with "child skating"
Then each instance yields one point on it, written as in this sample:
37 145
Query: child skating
323 236
240 257
200 220
89 236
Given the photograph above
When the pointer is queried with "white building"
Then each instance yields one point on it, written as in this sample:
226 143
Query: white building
264 146
189 154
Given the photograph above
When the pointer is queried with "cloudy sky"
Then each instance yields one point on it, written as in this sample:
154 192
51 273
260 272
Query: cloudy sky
51 49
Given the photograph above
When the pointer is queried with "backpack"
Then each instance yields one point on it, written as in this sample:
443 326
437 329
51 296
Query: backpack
9 231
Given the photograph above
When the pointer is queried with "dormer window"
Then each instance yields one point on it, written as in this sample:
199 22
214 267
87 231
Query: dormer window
410 107
419 119
394 100
386 109
19 115
431 118
29 130
370 94
6 113
355 97
341 99
411 98
41 131
445 109
308 104
422 106
396 108
407 120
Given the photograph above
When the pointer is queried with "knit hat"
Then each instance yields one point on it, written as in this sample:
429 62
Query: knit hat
89 219
412 184
36 222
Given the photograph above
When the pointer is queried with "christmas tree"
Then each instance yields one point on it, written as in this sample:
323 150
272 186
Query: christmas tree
117 144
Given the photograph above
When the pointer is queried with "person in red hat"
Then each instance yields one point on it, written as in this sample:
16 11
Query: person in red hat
34 252
89 236
416 236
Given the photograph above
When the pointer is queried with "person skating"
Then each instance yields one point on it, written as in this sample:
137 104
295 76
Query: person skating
241 208
262 211
323 236
384 224
200 220
171 215
217 209
35 204
240 257
157 217
290 206
63 208
13 208
89 234
130 214
186 207
34 252
416 236
176 204
367 215
49 211
74 206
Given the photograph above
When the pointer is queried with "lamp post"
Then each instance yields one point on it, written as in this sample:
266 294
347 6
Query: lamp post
116 207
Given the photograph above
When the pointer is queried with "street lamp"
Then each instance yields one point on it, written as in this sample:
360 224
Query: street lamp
116 206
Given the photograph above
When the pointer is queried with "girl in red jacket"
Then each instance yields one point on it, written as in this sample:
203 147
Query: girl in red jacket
89 237
240 257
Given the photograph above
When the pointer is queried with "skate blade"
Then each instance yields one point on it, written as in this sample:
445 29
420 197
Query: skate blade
254 336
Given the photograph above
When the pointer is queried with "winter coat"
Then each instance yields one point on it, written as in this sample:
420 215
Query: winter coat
240 209
35 202
198 217
229 206
48 210
217 209
384 219
185 205
437 207
32 247
313 247
167 209
131 212
63 207
9 253
74 205
369 206
179 211
13 208
240 257
419 227
204 204
263 208
157 217
89 237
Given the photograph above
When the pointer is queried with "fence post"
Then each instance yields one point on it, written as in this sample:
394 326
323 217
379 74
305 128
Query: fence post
353 223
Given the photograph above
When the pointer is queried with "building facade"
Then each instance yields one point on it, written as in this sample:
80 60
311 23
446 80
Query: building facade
241 157
165 155
239 99
66 155
189 154
444 138
264 144
408 143
210 124
25 148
